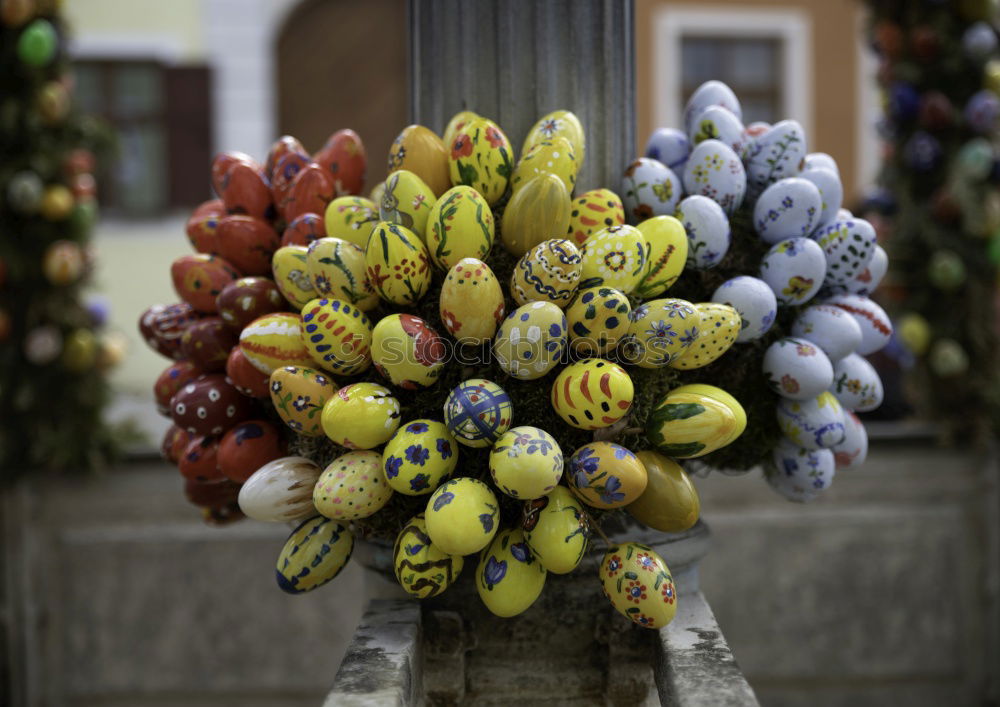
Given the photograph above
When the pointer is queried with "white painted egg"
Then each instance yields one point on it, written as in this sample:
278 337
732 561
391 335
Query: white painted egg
755 302
856 384
775 155
789 208
813 424
669 146
715 171
800 474
797 369
876 327
821 160
844 214
708 232
831 193
794 270
711 93
852 452
849 246
280 491
870 278
831 328
718 123
649 188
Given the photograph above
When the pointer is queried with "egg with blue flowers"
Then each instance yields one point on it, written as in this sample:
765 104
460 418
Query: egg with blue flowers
509 578
526 462
419 457
462 516
606 475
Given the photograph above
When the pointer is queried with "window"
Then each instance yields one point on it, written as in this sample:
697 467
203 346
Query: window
749 66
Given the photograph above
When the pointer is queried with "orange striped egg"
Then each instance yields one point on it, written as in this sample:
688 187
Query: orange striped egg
593 211
592 394
338 336
273 341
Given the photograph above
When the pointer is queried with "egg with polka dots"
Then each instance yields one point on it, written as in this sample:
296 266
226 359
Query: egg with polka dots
592 394
597 319
531 340
419 457
352 487
210 405
719 327
594 211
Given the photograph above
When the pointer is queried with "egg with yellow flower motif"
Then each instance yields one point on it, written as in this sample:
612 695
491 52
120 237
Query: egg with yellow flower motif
615 257
594 211
419 457
592 394
460 225
549 272
351 218
397 264
421 567
639 585
361 416
598 318
509 578
554 156
315 553
480 156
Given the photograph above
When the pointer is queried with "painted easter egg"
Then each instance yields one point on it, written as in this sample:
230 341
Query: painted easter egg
789 208
710 93
206 344
460 225
708 231
554 156
314 554
594 211
173 378
221 164
198 279
820 160
199 460
558 123
592 394
717 331
281 491
419 457
343 156
285 171
247 243
245 190
279 148
715 171
337 335
352 487
245 376
688 423
856 384
248 298
471 302
247 447
398 267
275 340
202 225
876 327
597 319
406 201
669 146
480 156
477 412
549 272
831 328
556 529
291 274
794 270
456 123
422 568
797 369
852 452
509 578
813 424
777 154
800 474
668 249
338 271
419 150
754 301
660 331
537 212
849 246
462 516
869 279
526 462
606 475
531 340
649 188
718 123
831 192
361 416
670 502
639 585
310 192
407 351
298 395
351 218
617 256
303 230
210 405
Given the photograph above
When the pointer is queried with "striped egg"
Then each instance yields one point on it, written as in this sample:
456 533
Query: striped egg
660 331
352 487
361 416
668 247
273 341
337 269
720 325
549 272
280 491
338 336
314 554
298 395
598 318
291 274
422 568
397 264
594 211
531 340
615 257
351 218
592 394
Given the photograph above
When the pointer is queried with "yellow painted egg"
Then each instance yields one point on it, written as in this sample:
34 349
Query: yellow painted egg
718 394
273 341
337 268
398 266
338 336
687 424
460 225
553 156
594 211
615 257
422 569
352 487
537 212
421 151
480 156
291 274
660 331
531 340
526 462
407 351
419 457
719 327
549 272
456 123
351 218
558 123
668 247
462 516
670 502
298 395
598 318
361 416
407 201
314 554
477 412
592 394
638 584
471 302
509 578
606 475
556 530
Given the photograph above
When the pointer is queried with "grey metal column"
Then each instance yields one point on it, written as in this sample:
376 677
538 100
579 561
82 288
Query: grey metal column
515 60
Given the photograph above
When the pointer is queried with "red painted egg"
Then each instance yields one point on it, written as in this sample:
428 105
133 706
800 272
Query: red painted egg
148 335
247 379
245 190
162 326
304 229
243 300
222 164
249 446
201 226
217 499
279 148
199 278
285 172
210 405
311 191
207 343
247 243
175 377
343 157
200 460
175 441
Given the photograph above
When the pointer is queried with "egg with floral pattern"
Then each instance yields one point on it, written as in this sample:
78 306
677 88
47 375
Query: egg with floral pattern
830 328
718 123
509 578
797 369
660 331
594 211
800 474
422 568
817 423
298 395
715 171
794 270
407 351
852 452
615 257
526 462
361 416
668 248
471 302
708 231
398 265
754 301
407 201
856 384
606 475
554 156
531 340
337 268
831 191
477 412
462 516
719 326
710 93
592 394
876 327
419 457
337 335
456 123
291 274
419 150
789 208
670 146
776 154
352 487
639 585
597 318
460 225
649 188
480 156
275 340
313 555
558 123
556 529
549 272
351 218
